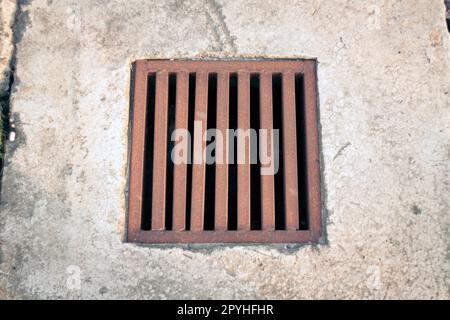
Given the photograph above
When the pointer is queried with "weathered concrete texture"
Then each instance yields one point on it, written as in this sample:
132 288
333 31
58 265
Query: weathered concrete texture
384 113
7 12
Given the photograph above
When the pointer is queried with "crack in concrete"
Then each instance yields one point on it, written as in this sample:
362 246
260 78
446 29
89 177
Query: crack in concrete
220 27
216 33
341 150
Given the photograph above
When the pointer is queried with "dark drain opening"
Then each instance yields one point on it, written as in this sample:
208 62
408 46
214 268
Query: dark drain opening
210 168
232 168
171 99
279 176
255 183
148 154
191 113
301 150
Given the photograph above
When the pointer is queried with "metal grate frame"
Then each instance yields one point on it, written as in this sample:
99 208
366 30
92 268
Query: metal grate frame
138 117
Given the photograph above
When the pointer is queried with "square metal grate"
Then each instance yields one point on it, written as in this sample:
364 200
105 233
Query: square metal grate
227 201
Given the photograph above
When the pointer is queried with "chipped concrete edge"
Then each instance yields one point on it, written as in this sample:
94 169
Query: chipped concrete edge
8 11
7 17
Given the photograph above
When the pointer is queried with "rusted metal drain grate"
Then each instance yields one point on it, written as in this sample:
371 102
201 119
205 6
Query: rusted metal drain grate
227 201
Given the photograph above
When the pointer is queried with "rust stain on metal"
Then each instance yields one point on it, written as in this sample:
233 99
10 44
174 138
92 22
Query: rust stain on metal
199 144
159 152
267 181
290 152
243 175
180 170
222 123
192 209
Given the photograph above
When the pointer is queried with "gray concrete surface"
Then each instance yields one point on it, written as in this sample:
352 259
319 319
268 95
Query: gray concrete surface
385 126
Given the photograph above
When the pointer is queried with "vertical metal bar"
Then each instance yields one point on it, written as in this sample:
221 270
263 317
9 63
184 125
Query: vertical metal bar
222 123
243 192
267 181
290 152
137 150
199 145
180 169
312 150
160 152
